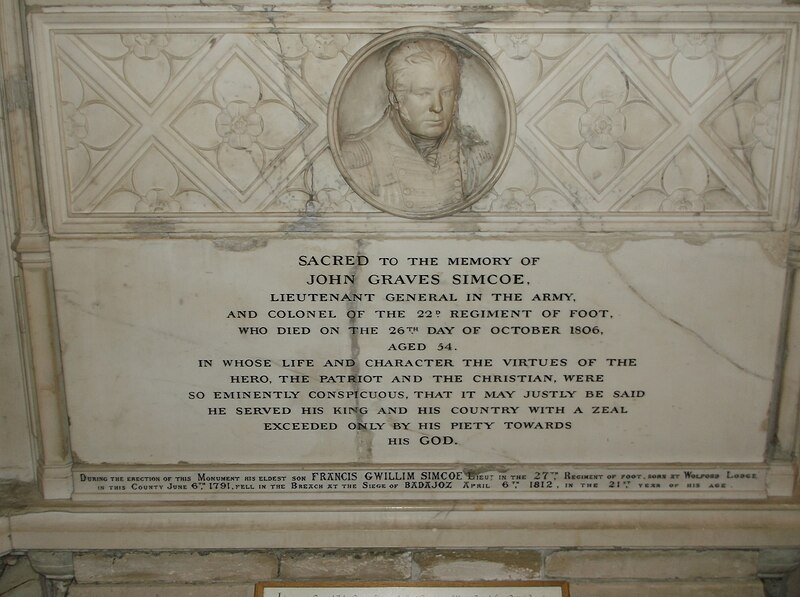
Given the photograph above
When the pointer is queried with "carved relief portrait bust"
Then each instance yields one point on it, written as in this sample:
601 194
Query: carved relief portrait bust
421 123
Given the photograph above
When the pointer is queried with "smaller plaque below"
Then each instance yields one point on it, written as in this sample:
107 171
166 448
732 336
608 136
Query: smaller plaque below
431 589
486 481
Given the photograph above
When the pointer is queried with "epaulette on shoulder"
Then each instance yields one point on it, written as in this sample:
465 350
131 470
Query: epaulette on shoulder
482 153
356 154
469 136
475 145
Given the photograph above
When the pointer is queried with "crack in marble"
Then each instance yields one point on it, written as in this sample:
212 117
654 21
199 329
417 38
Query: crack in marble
746 156
13 588
364 437
443 514
308 156
688 330
64 295
775 446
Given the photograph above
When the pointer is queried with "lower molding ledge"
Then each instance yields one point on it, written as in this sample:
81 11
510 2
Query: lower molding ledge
243 526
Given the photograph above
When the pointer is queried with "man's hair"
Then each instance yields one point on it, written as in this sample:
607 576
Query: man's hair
407 54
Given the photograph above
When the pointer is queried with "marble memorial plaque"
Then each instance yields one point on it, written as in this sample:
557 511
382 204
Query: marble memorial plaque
443 352
351 256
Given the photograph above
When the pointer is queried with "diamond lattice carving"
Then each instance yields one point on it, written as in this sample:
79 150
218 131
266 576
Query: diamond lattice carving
241 125
528 58
157 184
748 124
317 58
602 123
694 61
686 183
147 62
142 120
92 128
231 114
524 188
320 189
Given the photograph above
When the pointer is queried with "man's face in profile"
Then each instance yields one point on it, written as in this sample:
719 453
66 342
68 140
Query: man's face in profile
427 101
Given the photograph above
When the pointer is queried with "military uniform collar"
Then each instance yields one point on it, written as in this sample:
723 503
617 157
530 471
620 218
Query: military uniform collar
428 151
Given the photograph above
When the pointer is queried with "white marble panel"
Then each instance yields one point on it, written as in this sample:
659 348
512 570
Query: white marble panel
138 317
633 121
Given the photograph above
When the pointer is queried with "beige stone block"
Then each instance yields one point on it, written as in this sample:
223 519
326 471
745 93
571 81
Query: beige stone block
175 567
743 588
793 581
15 441
17 574
238 590
651 564
31 588
347 565
479 565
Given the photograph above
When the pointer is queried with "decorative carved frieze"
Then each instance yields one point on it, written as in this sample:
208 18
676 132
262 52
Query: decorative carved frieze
660 124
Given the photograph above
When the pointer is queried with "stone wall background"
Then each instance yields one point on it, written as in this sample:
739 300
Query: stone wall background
591 573
15 443
15 439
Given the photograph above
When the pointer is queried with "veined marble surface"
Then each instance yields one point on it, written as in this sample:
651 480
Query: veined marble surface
633 120
186 164
137 317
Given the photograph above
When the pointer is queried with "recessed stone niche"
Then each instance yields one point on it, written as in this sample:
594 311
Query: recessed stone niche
375 292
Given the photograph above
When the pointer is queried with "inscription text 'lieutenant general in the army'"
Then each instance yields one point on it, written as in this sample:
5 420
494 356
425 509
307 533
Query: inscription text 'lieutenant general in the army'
417 157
